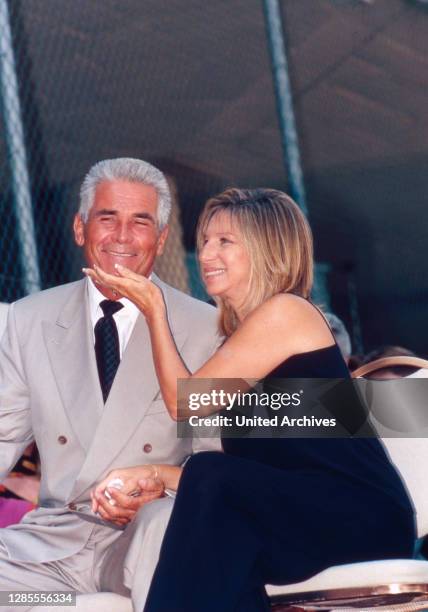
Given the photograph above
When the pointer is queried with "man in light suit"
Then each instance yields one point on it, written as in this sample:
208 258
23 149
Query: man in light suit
50 391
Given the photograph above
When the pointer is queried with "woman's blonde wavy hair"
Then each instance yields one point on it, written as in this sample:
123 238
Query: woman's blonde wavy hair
278 240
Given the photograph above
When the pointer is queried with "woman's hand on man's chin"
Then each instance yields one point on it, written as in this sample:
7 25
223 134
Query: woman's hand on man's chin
137 288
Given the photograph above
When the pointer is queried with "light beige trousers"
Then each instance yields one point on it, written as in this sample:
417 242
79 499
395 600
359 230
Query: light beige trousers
119 562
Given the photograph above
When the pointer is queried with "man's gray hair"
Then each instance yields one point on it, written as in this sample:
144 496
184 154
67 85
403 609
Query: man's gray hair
127 169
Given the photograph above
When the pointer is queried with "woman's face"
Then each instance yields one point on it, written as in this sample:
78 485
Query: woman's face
224 260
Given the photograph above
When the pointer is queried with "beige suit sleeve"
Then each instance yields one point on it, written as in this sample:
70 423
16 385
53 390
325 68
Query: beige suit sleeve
15 419
201 444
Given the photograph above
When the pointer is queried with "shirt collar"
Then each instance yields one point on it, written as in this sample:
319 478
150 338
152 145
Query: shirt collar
96 297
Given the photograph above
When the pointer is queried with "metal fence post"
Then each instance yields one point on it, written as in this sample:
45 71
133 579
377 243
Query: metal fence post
17 156
284 101
287 124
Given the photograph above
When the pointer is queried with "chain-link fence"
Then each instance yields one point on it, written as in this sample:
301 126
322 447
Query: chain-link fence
34 242
125 78
62 84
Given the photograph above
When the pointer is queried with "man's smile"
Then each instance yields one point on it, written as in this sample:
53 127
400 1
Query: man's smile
118 253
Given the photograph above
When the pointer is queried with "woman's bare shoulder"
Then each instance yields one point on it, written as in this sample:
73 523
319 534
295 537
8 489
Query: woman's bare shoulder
283 306
295 319
282 326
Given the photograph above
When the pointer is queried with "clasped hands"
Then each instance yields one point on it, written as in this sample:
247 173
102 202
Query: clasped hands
141 485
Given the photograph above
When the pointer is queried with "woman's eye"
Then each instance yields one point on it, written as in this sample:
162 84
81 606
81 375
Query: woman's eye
224 240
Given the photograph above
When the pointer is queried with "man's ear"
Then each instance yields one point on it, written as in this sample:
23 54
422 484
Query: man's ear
79 230
162 239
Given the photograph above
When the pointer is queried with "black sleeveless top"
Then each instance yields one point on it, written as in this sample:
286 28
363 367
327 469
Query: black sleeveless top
355 462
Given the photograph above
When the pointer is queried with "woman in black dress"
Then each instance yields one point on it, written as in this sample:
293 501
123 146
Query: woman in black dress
265 510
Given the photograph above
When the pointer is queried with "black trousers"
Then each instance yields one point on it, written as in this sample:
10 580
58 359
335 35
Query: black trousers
238 524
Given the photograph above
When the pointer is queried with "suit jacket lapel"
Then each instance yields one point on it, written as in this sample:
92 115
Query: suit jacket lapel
135 378
71 352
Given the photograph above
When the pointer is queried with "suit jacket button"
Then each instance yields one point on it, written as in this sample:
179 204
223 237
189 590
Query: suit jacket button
62 440
72 506
147 448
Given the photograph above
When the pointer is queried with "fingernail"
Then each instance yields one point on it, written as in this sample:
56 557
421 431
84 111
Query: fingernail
85 270
118 266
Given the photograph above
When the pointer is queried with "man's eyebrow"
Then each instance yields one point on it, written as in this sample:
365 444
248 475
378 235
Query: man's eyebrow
112 212
105 211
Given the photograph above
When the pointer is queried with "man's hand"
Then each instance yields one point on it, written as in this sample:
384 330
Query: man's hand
141 484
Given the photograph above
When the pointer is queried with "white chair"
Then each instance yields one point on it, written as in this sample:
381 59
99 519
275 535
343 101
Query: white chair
399 585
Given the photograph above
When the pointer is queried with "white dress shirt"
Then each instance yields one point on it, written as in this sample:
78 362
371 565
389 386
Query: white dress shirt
125 317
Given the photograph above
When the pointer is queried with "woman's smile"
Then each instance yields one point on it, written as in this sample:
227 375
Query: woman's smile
208 272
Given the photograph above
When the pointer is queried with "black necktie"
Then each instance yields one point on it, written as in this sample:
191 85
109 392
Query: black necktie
107 346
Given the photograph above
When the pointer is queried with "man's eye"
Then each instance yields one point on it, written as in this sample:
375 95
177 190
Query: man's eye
144 222
106 218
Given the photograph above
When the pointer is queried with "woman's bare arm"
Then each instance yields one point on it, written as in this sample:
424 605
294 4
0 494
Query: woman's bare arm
280 327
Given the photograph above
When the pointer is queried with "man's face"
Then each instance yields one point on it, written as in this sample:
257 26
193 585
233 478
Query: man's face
122 228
